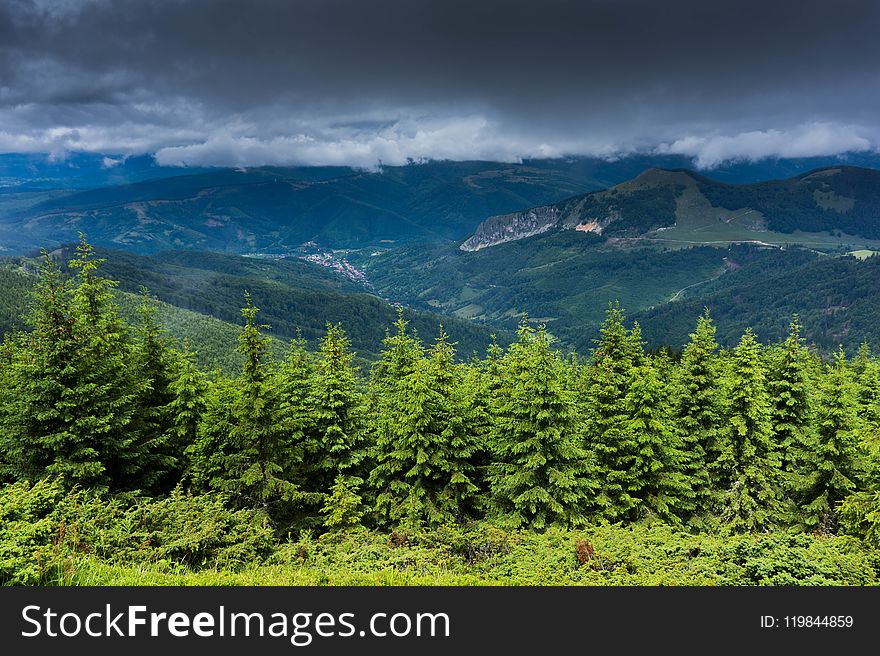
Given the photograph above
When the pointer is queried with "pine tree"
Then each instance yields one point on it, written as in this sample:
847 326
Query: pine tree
540 474
789 387
829 472
608 436
698 411
659 483
152 364
748 459
423 446
336 405
72 398
189 390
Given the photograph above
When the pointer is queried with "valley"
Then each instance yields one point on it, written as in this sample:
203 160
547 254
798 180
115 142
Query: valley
472 242
199 297
662 245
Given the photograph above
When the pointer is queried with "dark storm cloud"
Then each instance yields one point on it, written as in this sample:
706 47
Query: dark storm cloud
332 81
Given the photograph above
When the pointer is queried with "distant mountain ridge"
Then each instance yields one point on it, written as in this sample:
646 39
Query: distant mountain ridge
273 209
147 208
840 198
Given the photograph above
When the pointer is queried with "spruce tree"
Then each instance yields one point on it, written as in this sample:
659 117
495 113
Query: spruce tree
344 506
400 354
189 389
153 364
337 407
607 432
748 461
481 380
243 448
862 360
293 381
789 387
7 350
261 457
72 396
540 474
635 345
456 433
423 446
207 454
859 513
39 431
867 370
830 470
659 482
698 411
108 388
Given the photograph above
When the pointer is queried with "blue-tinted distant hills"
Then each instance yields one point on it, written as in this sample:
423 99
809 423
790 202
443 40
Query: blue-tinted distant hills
140 206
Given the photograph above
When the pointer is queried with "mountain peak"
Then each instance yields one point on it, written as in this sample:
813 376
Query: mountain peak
840 198
655 177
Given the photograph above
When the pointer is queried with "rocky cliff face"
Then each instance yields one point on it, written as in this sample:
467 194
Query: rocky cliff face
508 227
580 213
593 212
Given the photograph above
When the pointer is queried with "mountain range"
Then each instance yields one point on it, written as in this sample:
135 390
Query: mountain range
135 205
199 296
682 206
277 210
475 245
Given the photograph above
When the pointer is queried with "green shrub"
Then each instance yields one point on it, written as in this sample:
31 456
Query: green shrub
860 516
49 536
197 531
44 531
29 531
796 560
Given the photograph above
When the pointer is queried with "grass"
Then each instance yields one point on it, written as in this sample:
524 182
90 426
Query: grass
643 554
96 573
724 234
698 222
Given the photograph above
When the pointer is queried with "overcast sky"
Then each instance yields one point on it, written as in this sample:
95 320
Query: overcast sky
359 82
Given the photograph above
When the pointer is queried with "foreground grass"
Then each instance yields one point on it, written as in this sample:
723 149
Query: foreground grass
50 536
608 555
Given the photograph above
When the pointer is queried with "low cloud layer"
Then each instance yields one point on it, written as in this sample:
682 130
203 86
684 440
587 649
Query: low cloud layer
810 140
219 82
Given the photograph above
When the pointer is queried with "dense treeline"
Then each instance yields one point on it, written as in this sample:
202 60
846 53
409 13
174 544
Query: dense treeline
836 298
565 278
843 198
295 297
754 439
636 212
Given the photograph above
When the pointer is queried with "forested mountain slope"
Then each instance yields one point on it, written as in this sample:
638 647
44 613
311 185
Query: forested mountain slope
138 206
295 297
836 298
680 205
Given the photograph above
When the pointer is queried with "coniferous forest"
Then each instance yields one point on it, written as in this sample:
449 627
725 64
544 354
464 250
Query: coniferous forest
122 462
